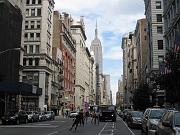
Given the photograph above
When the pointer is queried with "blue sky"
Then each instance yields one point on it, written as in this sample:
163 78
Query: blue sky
115 19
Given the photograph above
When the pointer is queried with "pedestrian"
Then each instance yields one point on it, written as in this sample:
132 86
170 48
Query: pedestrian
95 118
86 116
81 115
76 122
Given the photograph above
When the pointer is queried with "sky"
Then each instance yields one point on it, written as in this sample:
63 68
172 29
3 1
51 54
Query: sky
115 19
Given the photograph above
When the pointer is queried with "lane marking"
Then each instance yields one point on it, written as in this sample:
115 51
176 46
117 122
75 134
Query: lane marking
128 127
28 126
53 133
102 129
42 124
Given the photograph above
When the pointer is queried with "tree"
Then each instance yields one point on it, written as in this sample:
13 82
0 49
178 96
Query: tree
141 97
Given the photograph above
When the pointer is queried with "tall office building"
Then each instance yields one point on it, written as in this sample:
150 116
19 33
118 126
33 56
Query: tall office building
96 47
38 51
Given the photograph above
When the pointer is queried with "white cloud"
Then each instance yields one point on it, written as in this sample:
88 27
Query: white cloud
114 53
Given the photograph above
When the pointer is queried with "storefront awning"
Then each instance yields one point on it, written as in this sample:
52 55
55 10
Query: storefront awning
18 88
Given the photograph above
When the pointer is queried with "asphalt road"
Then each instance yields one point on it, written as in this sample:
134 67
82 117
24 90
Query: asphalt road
60 126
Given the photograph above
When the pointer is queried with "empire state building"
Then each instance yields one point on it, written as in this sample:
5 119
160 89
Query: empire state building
97 49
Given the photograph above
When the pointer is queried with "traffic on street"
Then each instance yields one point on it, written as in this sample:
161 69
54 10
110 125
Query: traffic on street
61 126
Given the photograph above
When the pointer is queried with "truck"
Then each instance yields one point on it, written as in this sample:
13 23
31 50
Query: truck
107 112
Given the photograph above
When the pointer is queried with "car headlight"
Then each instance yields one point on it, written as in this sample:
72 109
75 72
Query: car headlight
152 126
112 115
13 117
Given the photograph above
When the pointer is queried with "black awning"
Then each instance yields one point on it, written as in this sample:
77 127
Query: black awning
18 88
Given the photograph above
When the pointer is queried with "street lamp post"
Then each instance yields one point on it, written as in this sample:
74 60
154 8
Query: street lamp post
12 49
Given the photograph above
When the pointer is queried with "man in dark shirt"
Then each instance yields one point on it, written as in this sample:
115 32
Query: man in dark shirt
76 122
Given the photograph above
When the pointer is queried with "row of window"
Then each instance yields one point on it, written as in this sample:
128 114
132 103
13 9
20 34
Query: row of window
28 2
31 61
33 24
32 37
30 49
33 12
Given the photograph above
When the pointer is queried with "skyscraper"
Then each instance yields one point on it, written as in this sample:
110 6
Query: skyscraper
97 49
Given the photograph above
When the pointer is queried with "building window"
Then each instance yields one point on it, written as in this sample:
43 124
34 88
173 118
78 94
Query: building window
26 24
32 12
32 24
31 36
159 29
30 61
158 5
39 1
33 1
24 62
27 12
31 49
38 12
159 17
38 24
26 36
160 44
38 36
27 2
36 61
25 49
37 48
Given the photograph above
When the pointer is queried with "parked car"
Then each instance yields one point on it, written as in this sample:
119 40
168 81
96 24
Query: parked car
134 119
124 116
33 116
42 116
15 118
169 124
73 114
150 119
49 115
120 113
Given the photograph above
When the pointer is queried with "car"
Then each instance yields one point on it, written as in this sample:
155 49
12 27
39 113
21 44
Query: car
15 118
33 116
49 115
150 120
42 116
134 119
124 115
73 114
169 124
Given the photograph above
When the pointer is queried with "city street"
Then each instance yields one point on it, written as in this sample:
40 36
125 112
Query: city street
60 126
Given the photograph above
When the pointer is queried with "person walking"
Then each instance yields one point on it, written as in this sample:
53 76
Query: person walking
86 116
76 122
81 115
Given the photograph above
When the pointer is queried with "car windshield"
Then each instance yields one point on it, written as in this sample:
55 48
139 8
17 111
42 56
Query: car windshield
156 114
29 112
177 119
11 113
74 112
137 114
47 112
